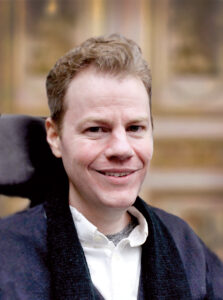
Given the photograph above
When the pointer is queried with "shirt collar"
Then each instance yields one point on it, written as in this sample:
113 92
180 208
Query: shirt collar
140 233
88 233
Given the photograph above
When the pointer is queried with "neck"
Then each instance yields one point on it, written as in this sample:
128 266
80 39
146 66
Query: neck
107 222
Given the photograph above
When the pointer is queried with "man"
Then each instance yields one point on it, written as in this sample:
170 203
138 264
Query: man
97 239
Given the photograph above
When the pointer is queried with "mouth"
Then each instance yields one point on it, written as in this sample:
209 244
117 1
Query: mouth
116 173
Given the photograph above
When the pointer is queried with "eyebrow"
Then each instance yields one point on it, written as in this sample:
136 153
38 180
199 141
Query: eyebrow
94 120
139 120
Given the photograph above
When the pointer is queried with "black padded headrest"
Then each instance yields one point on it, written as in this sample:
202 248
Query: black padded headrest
27 166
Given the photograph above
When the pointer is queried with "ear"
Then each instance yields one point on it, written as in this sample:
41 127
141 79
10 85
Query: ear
53 137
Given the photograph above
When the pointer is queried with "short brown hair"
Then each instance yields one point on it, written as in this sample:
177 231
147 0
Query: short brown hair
112 54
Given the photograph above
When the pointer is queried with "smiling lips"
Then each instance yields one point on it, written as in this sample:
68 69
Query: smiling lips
121 173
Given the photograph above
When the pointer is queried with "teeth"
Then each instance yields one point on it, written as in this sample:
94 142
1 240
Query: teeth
116 174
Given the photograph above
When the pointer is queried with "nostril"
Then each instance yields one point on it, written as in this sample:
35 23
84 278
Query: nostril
119 158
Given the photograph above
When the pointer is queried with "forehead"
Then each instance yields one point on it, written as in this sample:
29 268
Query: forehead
91 88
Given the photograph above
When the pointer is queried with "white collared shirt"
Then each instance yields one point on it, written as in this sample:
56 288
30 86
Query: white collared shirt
115 270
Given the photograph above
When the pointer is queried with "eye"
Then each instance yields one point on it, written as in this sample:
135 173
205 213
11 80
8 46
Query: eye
135 128
95 129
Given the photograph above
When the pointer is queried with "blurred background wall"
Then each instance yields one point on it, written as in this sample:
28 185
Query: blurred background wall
183 42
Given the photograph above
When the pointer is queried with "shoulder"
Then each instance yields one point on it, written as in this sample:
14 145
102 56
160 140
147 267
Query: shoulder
200 263
26 227
22 240
186 240
178 229
32 215
23 255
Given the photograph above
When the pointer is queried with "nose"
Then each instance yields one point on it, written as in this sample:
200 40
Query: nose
118 147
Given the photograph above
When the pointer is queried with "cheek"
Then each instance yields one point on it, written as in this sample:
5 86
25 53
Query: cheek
144 151
81 154
149 150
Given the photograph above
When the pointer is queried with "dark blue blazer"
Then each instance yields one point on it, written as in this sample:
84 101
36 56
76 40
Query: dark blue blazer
40 259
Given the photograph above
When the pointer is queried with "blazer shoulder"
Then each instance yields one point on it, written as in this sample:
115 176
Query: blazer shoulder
182 233
24 225
174 223
196 256
24 269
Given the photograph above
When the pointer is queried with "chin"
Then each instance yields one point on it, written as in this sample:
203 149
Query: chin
120 201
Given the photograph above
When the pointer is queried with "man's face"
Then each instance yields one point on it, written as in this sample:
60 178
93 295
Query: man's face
106 141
